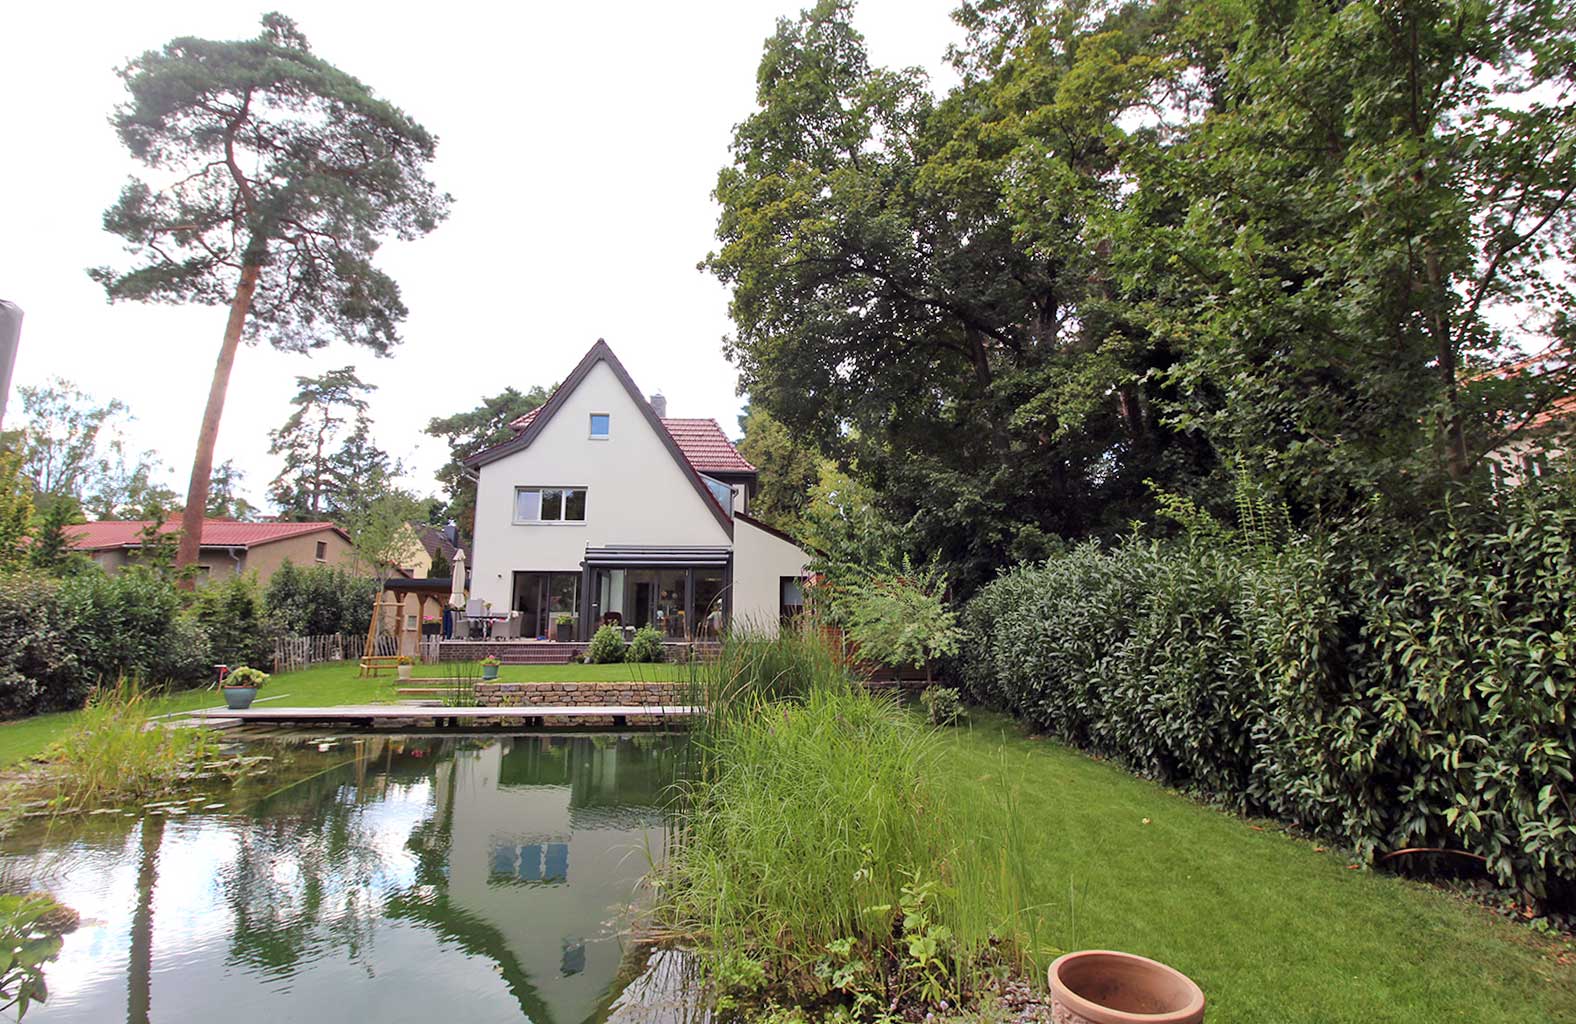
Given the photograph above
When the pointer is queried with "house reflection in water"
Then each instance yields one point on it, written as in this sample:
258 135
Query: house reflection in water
548 840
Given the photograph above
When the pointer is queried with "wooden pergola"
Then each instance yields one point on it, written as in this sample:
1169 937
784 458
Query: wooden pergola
395 591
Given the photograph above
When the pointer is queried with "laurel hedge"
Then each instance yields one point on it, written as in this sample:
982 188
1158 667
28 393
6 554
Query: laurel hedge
1387 691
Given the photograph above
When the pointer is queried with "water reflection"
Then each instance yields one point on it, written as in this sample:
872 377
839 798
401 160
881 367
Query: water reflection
397 878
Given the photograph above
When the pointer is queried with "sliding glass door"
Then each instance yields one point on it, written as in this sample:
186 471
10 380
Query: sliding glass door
542 598
681 603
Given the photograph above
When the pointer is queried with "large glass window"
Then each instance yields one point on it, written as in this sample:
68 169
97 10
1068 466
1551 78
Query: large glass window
542 598
550 504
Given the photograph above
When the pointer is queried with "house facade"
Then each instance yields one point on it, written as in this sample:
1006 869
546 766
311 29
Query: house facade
601 510
229 548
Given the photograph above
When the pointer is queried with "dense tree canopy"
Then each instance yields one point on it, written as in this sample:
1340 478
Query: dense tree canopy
1139 243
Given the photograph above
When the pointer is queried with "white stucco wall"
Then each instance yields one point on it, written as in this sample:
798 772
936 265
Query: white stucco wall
760 560
636 492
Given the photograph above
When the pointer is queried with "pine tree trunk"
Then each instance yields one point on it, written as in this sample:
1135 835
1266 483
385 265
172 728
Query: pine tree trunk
208 436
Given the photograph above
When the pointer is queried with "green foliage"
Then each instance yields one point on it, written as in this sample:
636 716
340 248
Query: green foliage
267 156
31 926
899 618
50 551
245 675
943 705
316 475
788 471
116 752
16 510
819 863
320 600
467 433
61 638
645 647
607 646
381 536
1386 690
232 613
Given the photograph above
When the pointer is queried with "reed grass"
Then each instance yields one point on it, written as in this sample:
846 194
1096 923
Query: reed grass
115 751
814 820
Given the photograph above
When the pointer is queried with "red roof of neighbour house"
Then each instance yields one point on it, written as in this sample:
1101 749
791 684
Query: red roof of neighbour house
701 440
216 533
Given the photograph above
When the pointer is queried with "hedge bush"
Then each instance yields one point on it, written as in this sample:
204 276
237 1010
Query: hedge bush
320 600
60 638
1386 691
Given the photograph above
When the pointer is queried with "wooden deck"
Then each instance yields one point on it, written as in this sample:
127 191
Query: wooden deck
367 716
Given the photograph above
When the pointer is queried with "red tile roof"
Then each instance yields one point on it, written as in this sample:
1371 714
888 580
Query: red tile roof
706 447
219 533
701 440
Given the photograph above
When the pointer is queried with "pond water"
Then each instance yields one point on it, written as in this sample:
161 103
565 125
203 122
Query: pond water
372 879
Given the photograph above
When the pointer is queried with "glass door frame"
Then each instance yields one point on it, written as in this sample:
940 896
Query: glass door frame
633 572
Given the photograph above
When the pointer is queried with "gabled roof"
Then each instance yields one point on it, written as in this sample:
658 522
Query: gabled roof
434 542
216 533
532 423
701 440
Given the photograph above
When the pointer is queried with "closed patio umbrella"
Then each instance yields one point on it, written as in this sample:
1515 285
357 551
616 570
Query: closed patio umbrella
457 588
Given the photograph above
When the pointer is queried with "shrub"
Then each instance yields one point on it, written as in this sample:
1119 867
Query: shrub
646 646
943 705
606 646
899 618
232 613
1388 692
320 600
61 638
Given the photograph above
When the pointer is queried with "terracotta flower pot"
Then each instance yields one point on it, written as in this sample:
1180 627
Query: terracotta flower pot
1098 986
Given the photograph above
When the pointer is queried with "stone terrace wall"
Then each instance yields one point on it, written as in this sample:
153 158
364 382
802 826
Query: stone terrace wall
493 695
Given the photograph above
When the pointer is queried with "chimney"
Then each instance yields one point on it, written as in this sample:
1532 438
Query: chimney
659 405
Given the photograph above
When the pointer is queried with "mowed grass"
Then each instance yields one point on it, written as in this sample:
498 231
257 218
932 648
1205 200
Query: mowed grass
321 686
1271 929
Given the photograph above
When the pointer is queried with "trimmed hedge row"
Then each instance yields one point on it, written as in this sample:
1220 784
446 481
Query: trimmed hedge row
1386 692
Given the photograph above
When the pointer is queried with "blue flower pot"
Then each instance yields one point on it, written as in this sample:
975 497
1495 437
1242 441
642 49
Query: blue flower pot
239 698
489 671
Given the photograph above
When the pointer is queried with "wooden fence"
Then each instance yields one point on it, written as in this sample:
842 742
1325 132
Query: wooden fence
293 652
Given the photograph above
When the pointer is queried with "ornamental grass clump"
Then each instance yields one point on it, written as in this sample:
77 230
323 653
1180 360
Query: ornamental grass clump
820 863
117 751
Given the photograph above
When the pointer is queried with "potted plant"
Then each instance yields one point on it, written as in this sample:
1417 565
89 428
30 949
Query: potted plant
1098 986
241 686
566 629
490 667
404 665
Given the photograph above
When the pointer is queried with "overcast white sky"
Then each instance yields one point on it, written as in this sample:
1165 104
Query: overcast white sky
580 142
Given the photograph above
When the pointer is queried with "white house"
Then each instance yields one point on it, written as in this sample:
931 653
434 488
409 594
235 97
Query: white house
600 509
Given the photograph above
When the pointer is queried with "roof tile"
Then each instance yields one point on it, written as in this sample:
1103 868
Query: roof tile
222 533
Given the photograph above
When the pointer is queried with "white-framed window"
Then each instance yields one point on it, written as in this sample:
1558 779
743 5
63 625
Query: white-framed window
549 504
601 426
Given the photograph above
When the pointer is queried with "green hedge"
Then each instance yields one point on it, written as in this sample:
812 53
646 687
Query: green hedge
1385 691
60 638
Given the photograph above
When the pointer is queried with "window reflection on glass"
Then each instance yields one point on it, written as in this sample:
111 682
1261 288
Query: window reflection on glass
552 504
709 585
575 506
527 505
599 424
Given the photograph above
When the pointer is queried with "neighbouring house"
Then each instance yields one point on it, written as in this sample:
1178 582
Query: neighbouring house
228 547
428 544
1543 437
602 509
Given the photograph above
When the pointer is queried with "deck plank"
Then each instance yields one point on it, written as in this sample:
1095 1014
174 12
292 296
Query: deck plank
372 712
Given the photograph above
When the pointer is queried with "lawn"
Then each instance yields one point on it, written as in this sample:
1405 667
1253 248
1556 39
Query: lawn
1272 929
321 686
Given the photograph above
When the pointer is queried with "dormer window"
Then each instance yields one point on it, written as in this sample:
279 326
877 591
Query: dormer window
601 425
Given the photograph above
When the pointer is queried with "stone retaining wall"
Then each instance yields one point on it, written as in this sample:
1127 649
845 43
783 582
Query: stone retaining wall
493 695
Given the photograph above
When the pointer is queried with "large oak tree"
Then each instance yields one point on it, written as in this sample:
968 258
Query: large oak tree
274 176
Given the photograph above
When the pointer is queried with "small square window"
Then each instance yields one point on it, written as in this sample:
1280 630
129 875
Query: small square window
601 424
